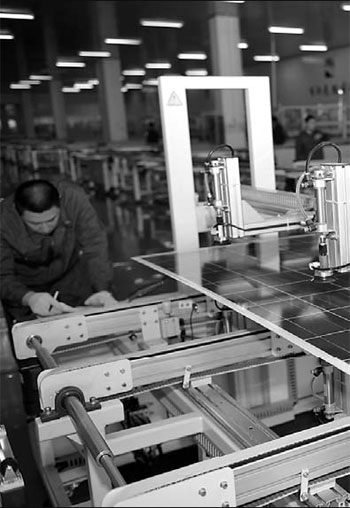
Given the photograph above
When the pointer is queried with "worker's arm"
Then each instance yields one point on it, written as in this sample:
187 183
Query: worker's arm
11 288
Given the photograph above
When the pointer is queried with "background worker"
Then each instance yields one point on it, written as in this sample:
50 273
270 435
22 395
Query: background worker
309 137
52 241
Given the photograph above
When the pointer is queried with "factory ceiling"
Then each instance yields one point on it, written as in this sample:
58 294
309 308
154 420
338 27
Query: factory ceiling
323 22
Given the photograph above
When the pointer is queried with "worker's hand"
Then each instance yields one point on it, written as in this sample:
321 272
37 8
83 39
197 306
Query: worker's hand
102 298
43 304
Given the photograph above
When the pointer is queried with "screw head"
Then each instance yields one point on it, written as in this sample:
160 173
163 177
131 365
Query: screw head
225 503
224 485
202 492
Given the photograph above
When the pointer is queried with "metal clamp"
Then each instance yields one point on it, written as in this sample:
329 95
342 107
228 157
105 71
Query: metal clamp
304 485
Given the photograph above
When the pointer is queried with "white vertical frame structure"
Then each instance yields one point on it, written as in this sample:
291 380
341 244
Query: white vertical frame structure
177 144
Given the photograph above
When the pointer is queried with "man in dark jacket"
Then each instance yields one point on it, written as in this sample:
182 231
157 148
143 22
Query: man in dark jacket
52 244
309 137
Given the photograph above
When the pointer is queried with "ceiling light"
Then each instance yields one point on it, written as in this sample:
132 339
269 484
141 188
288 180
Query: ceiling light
6 34
133 86
161 23
346 7
16 14
199 55
134 72
124 89
158 65
150 82
83 86
42 77
242 45
30 82
196 72
19 86
266 58
285 30
93 82
100 54
70 89
234 1
61 63
313 47
131 42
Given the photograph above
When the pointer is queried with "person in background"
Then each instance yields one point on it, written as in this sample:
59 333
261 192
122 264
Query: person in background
309 137
278 132
152 134
52 243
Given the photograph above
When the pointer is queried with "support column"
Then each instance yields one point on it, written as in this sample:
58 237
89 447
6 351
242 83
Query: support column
56 95
26 99
226 60
109 74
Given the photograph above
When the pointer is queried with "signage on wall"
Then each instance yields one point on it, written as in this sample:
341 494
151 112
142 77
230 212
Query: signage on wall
326 88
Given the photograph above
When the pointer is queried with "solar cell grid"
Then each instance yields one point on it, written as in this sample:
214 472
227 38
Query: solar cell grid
268 280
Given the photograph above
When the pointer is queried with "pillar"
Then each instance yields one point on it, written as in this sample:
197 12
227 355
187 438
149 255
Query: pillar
108 71
26 98
224 30
56 94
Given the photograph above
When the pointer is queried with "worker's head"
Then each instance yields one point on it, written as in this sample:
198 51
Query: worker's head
38 204
310 123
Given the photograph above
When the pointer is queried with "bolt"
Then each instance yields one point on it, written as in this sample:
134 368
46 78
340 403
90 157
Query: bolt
303 497
278 349
107 374
47 410
124 385
93 400
68 338
108 388
225 503
202 492
81 335
122 371
224 485
305 474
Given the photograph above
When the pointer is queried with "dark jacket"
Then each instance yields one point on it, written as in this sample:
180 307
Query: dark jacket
34 262
305 142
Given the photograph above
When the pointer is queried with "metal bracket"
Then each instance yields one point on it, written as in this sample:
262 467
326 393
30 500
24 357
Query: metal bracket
149 317
281 346
328 493
304 485
54 331
94 381
187 377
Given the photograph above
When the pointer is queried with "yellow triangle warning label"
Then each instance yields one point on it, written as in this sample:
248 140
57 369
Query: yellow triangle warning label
174 100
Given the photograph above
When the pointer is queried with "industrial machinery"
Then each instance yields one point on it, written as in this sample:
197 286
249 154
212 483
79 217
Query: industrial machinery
331 185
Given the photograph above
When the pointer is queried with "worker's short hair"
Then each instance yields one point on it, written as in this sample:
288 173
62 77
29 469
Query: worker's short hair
309 117
36 196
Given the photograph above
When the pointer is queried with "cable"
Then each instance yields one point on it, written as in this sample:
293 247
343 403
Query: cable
193 309
208 159
312 389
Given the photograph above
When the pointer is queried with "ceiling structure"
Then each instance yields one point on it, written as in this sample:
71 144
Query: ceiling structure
323 22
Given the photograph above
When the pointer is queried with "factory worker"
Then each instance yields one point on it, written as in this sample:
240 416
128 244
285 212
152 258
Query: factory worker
309 137
54 253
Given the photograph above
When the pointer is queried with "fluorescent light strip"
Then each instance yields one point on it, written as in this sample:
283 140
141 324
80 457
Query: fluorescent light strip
313 47
94 82
18 86
196 72
42 77
131 42
30 82
13 15
159 23
70 89
83 86
234 1
266 58
346 7
70 64
150 82
192 56
133 86
242 45
285 30
123 89
99 54
155 65
6 36
134 72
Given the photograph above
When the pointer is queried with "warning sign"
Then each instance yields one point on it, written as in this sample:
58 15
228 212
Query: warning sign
174 100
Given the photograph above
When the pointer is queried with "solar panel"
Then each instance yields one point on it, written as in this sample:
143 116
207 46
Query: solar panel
268 280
